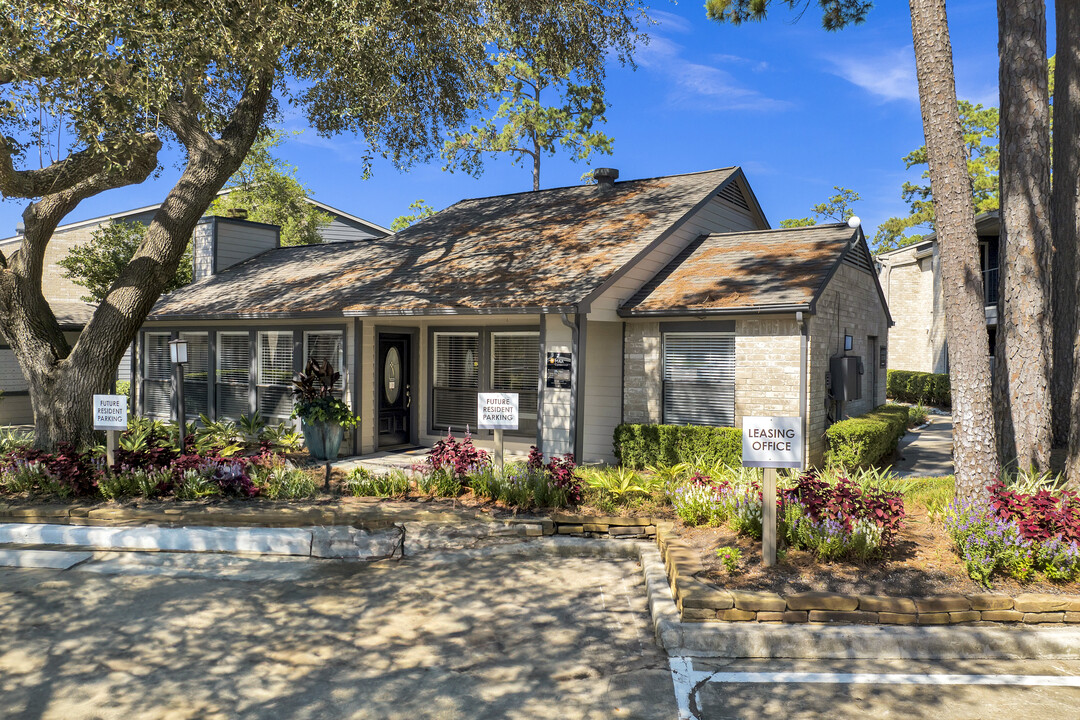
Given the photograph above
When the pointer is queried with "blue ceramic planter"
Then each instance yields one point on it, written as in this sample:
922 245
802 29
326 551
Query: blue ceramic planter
323 439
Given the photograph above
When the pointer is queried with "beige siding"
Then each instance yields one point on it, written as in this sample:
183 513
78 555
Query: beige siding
717 216
603 390
203 250
555 413
237 242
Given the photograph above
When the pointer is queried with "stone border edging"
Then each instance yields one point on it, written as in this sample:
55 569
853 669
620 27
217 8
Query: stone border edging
822 641
702 603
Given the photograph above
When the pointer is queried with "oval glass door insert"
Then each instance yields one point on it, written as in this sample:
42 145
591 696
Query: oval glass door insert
392 376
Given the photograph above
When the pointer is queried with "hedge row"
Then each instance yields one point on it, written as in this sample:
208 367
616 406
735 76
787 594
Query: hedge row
639 445
864 440
918 387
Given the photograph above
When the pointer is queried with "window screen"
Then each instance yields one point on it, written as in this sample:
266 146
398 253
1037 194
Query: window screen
275 374
327 346
515 368
11 377
196 375
233 374
456 379
157 371
699 379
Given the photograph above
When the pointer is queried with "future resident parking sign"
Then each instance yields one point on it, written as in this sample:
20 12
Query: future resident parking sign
772 442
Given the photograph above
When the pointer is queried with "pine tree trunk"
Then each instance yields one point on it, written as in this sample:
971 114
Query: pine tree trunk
1066 217
1024 350
965 320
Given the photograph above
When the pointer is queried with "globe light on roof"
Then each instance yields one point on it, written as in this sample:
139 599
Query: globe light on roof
854 221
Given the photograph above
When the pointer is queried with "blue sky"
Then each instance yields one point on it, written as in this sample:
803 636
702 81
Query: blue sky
798 108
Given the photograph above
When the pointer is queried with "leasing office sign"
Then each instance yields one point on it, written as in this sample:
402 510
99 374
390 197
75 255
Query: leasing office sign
772 442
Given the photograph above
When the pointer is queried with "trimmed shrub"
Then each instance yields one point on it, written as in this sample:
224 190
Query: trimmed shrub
918 387
637 446
864 440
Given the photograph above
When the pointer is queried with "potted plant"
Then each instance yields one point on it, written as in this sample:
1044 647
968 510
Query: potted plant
323 416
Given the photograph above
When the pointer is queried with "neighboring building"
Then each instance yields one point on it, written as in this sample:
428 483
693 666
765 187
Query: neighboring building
657 300
64 295
911 279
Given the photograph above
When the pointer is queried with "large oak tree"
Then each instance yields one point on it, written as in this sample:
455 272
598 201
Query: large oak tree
109 83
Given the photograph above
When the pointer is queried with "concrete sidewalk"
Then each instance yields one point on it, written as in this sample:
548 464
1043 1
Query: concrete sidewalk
926 452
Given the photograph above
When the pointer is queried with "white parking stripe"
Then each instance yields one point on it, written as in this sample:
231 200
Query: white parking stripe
892 678
687 680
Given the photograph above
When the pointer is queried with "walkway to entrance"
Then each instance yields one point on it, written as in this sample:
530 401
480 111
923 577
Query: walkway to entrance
404 459
927 452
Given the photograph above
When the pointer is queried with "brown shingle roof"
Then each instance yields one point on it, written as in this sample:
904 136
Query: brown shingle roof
783 268
529 250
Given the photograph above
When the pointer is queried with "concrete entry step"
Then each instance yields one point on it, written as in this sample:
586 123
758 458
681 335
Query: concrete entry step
321 542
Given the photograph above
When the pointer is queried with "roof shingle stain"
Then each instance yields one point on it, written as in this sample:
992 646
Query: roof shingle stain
548 248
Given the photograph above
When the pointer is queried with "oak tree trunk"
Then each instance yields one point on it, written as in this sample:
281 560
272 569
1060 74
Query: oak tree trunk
63 378
965 322
1066 218
1024 350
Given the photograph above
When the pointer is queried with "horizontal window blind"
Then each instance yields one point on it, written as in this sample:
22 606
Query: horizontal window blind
699 379
275 371
196 375
515 358
456 379
233 372
157 371
11 377
327 346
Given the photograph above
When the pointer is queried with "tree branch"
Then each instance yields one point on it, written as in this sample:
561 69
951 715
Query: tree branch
63 175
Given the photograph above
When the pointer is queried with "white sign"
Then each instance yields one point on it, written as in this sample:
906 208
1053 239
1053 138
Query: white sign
497 411
772 442
110 412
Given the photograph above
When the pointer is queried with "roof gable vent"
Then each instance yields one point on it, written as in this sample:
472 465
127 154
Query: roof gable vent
732 194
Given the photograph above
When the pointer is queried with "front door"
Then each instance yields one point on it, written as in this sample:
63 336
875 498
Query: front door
394 390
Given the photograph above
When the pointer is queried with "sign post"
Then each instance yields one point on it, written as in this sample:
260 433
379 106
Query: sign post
770 443
110 415
497 411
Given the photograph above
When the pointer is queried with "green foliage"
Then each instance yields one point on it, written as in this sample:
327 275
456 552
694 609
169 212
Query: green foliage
518 486
96 264
864 440
835 14
196 484
316 401
361 482
980 126
524 126
918 415
423 210
1031 481
439 482
12 439
618 482
932 493
266 187
282 438
123 387
838 208
638 446
730 557
282 481
918 387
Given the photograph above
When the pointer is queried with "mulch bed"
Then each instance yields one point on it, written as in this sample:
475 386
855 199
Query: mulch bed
923 563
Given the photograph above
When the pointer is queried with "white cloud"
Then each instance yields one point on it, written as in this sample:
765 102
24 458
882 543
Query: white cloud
698 86
670 21
755 65
888 76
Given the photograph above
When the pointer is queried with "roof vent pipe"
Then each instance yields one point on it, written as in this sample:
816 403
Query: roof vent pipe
605 177
20 229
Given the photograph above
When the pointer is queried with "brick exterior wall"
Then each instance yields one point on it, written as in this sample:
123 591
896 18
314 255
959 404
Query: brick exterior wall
849 305
912 289
767 351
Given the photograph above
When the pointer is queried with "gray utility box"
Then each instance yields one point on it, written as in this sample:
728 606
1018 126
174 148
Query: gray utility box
846 378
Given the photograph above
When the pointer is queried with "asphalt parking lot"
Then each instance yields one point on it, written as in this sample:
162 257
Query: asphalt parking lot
145 635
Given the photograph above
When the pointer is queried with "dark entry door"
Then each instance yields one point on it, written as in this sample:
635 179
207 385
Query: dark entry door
395 392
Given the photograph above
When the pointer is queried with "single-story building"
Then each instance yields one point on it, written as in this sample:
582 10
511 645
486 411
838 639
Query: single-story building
660 300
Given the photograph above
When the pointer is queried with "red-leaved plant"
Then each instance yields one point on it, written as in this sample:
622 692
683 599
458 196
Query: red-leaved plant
847 503
460 457
1040 516
560 471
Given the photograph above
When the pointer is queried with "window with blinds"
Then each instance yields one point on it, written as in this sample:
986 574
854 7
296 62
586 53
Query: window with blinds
233 370
515 359
275 372
456 380
699 379
327 345
157 371
196 375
